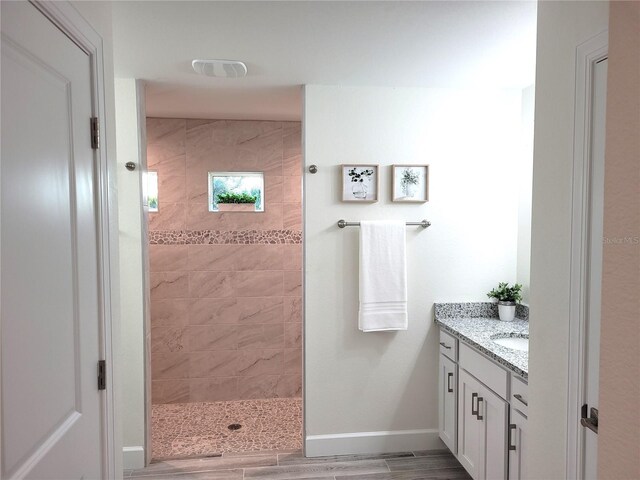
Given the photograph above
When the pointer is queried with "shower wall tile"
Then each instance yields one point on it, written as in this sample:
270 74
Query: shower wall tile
173 188
226 309
292 166
218 363
292 218
168 285
203 338
260 257
167 339
289 386
292 255
260 362
213 389
261 310
170 391
169 312
167 258
260 386
261 336
259 283
293 309
211 284
213 311
293 335
168 365
293 361
293 283
218 258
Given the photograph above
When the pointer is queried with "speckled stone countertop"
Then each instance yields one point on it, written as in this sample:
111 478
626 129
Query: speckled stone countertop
477 323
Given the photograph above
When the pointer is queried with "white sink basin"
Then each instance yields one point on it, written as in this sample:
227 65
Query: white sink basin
514 343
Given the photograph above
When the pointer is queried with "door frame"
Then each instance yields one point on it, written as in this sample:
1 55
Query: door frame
587 55
66 18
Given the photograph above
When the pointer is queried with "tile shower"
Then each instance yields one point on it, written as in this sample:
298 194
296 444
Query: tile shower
225 290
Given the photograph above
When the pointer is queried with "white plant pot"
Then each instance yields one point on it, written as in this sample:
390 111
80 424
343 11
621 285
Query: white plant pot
506 311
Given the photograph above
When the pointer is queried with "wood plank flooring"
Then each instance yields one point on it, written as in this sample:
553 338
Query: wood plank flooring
291 465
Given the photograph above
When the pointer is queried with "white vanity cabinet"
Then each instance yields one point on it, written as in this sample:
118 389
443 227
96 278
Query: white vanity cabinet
482 412
482 423
517 445
518 429
447 392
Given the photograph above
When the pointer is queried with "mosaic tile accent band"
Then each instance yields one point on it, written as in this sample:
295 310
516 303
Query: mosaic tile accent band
219 237
476 310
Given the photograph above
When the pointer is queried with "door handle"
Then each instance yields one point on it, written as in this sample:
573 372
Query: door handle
449 377
478 416
512 428
474 411
445 345
590 422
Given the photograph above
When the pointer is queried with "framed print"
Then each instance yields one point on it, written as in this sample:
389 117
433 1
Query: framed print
360 183
410 183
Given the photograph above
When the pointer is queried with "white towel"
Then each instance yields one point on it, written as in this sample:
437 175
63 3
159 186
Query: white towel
383 276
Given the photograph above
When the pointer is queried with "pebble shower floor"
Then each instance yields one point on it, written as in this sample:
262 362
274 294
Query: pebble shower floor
180 430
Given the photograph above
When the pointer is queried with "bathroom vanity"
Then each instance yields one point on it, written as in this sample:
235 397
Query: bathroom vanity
483 398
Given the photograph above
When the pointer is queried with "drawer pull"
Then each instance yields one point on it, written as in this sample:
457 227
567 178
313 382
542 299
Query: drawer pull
449 377
445 345
478 416
512 428
474 410
518 397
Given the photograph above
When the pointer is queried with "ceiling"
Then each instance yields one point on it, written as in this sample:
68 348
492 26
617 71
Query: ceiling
289 44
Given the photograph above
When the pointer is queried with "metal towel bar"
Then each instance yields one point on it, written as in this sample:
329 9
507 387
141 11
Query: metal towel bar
344 223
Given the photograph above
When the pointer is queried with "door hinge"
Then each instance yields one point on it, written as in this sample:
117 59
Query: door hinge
102 375
590 421
95 133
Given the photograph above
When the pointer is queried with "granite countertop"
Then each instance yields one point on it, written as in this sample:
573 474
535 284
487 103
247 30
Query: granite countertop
476 323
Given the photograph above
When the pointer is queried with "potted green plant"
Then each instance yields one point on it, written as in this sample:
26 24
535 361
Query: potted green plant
236 202
507 298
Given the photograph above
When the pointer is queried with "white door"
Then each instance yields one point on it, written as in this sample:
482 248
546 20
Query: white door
594 276
51 405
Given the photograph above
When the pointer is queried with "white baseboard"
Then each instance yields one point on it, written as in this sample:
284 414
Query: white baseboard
372 442
132 457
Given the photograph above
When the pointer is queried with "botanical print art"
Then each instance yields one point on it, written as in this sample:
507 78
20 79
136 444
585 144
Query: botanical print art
410 183
359 183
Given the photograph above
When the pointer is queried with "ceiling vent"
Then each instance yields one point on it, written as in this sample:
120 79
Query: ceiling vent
220 68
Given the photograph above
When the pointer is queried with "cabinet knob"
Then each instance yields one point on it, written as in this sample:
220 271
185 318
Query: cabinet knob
445 345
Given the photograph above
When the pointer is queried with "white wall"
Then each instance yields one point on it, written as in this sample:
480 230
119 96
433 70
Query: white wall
562 26
525 181
379 382
131 273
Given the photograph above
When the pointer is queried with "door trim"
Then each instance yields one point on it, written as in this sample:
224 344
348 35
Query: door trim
587 55
65 17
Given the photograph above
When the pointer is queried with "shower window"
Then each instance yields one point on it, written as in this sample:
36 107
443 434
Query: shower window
245 187
151 193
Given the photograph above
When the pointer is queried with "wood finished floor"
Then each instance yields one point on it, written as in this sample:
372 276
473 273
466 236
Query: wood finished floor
425 465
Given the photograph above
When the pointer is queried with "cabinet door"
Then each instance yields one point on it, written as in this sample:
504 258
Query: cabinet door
493 411
470 439
517 446
447 403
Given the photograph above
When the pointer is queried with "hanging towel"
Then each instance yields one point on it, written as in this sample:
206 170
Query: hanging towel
383 276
